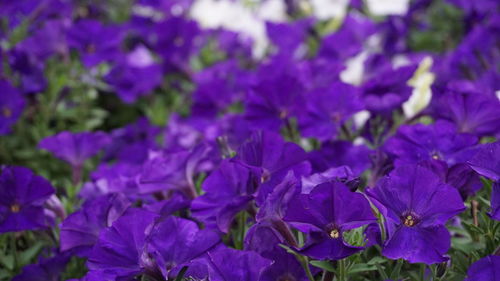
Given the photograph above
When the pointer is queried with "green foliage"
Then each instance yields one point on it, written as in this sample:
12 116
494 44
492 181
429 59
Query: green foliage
444 31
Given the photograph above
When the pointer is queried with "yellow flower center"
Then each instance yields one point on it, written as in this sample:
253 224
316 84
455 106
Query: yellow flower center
409 221
91 48
178 41
334 234
6 112
15 208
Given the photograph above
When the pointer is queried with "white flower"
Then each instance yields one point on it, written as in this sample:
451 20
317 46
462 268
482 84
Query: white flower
353 73
388 7
237 17
327 9
421 94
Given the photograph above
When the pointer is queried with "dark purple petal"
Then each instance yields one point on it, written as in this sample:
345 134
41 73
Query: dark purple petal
323 247
81 229
118 250
22 195
173 242
418 245
11 106
487 161
416 191
485 269
228 264
75 148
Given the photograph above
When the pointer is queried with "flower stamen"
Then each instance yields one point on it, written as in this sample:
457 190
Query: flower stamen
15 208
334 233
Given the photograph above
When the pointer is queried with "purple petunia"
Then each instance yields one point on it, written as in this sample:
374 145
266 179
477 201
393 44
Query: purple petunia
326 213
45 269
134 75
80 230
11 106
487 163
439 141
411 200
174 242
22 195
75 148
229 190
264 239
388 90
228 264
118 251
485 269
327 109
471 112
94 41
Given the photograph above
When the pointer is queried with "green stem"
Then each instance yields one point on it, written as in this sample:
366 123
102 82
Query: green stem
342 271
13 246
243 226
422 272
305 264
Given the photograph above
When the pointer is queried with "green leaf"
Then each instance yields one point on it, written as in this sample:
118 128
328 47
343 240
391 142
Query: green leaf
376 260
7 261
26 256
361 268
382 272
326 265
397 269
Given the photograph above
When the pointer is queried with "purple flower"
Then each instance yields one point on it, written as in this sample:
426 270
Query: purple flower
174 242
29 70
326 213
11 106
132 143
342 174
277 96
229 190
80 230
388 90
229 264
264 239
48 269
270 158
327 109
439 141
75 148
94 41
495 201
411 200
119 248
22 195
134 75
47 41
175 41
277 201
487 161
288 37
485 269
218 87
465 179
340 153
175 170
348 40
471 112
120 177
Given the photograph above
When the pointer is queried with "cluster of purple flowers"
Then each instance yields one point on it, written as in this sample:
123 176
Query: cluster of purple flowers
282 166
